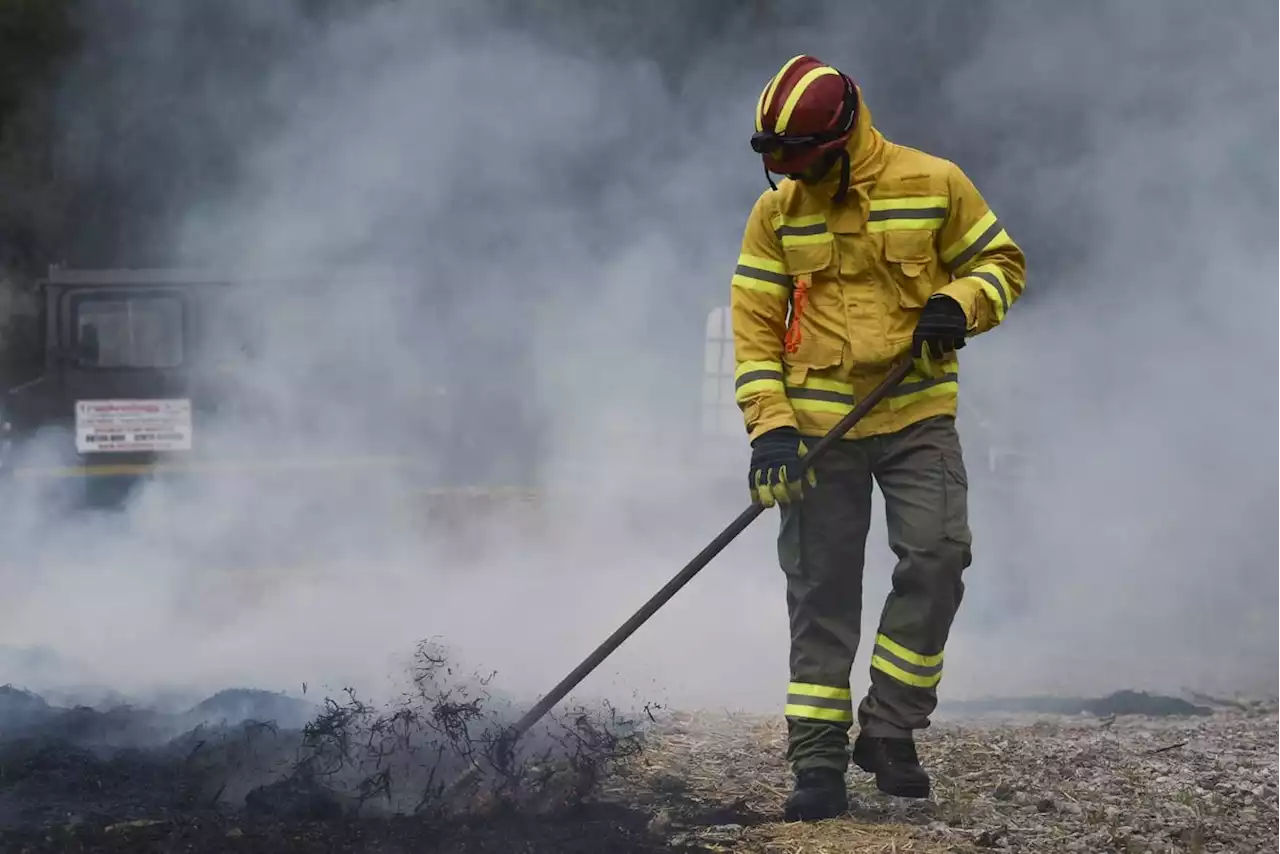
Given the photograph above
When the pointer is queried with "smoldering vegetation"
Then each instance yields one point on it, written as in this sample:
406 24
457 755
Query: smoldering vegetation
251 770
565 185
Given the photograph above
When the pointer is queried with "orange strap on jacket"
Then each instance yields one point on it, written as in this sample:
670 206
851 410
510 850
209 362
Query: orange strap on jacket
799 300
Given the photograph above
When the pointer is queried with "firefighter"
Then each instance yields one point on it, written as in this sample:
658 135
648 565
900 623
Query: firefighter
863 252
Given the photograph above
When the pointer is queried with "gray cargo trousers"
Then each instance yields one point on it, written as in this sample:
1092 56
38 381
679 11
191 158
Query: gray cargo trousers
821 547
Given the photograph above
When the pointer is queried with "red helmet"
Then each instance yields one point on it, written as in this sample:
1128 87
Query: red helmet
807 110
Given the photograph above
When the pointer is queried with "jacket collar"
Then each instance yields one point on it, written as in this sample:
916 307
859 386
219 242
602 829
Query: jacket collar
867 149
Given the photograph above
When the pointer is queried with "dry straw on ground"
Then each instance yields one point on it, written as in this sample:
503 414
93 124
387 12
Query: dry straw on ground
1029 783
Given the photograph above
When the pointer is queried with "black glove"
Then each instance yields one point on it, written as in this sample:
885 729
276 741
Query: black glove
775 467
941 327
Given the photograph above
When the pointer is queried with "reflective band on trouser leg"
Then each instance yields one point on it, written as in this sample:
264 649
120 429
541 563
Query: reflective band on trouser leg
904 665
821 543
920 472
819 702
913 213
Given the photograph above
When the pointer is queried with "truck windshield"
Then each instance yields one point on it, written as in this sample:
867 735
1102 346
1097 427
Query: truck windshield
129 332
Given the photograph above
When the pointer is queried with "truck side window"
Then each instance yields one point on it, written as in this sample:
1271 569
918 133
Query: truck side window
129 332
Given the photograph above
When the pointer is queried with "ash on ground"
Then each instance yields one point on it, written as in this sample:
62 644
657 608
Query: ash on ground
257 771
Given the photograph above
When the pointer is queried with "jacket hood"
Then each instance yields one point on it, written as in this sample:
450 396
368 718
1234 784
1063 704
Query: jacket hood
866 148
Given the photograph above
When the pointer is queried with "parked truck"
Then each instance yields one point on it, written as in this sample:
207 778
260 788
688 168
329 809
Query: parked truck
134 373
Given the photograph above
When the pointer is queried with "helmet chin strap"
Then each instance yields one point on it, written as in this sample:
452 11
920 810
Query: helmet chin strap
845 167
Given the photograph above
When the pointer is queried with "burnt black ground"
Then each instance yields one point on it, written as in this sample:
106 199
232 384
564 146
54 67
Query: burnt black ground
593 829
250 771
59 798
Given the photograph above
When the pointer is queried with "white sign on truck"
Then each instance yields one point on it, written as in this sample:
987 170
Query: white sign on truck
106 426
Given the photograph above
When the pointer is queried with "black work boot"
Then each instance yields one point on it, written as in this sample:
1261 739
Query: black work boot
895 764
819 793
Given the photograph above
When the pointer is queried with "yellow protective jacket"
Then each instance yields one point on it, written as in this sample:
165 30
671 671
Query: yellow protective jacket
825 297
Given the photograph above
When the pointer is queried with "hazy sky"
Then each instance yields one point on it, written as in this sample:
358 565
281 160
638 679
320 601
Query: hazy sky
573 215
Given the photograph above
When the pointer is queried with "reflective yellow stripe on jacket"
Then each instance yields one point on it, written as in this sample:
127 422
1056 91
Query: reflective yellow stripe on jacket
752 378
759 296
803 231
763 275
915 386
986 257
819 395
907 214
826 294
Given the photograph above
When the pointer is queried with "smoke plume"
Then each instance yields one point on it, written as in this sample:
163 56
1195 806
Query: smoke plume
512 231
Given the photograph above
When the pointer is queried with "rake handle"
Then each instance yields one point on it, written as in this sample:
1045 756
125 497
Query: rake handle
692 568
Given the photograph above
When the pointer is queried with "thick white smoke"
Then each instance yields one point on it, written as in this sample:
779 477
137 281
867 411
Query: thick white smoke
565 220
1146 550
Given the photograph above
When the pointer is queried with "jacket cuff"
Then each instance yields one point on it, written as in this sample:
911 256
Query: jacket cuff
967 292
763 416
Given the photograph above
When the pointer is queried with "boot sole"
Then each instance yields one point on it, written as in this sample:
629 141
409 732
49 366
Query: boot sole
903 791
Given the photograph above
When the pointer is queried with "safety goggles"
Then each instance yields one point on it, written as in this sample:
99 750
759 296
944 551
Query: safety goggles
767 142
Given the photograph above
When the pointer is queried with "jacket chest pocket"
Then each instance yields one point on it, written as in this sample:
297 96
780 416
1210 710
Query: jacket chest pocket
814 340
808 258
912 263
816 260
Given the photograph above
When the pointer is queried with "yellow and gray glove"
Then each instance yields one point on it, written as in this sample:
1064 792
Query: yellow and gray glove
775 467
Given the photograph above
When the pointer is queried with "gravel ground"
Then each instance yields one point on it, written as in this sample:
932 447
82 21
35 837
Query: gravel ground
1027 783
79 780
